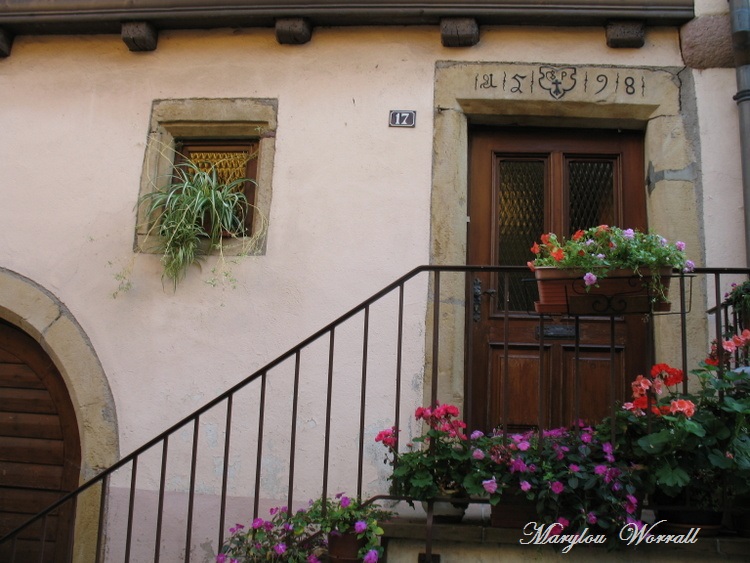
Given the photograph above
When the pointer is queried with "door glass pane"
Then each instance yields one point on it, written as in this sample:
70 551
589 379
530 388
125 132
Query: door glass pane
591 193
520 221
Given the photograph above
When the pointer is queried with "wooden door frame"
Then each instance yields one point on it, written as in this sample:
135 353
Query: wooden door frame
486 146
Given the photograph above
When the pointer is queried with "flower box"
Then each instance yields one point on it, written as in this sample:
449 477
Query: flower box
622 291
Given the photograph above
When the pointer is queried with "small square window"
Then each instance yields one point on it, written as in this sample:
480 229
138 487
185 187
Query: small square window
230 159
236 136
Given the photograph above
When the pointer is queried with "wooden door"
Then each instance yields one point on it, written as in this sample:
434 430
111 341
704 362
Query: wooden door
40 449
523 183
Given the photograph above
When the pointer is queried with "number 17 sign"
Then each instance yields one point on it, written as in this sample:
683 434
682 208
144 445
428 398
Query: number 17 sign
402 118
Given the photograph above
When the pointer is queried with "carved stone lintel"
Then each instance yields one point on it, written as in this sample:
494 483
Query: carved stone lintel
626 34
459 32
6 42
140 36
293 31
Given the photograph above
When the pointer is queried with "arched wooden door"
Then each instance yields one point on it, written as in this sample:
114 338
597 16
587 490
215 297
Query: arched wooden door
525 182
40 452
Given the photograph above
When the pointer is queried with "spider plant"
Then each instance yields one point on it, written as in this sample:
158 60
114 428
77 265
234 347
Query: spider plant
194 215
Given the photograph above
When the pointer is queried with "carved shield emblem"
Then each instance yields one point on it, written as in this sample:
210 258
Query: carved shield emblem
557 81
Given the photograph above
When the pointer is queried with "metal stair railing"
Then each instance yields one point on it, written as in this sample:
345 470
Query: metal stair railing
131 504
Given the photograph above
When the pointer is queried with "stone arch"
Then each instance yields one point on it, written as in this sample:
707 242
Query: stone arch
45 318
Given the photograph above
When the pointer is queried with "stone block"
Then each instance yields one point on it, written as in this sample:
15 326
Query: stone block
626 34
706 42
139 36
459 32
293 31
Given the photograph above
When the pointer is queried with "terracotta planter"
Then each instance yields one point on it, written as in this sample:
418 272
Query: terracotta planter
344 548
681 520
620 292
513 511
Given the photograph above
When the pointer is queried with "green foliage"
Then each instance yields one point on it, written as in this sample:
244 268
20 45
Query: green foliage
285 537
297 537
598 251
194 215
738 297
692 446
437 461
343 514
572 476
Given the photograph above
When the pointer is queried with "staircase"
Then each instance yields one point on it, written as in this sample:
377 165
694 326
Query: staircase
301 427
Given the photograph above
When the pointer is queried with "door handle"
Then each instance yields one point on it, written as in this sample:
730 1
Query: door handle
477 299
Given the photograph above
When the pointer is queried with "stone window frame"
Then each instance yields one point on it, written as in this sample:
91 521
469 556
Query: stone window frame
226 119
671 155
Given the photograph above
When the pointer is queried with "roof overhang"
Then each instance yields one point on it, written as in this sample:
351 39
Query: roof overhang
106 16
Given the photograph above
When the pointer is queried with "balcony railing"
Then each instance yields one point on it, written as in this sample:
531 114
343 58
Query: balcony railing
303 426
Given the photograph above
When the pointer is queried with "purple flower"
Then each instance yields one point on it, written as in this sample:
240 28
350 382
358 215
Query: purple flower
589 279
591 518
525 486
236 528
257 523
557 487
476 434
574 468
586 437
490 485
477 454
371 556
689 266
680 245
600 469
360 526
521 442
518 465
280 548
312 558
221 558
628 234
345 502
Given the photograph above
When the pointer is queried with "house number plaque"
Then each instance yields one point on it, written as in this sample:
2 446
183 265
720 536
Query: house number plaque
402 118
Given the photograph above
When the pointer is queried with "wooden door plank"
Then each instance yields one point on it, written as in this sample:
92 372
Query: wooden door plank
30 425
27 400
26 501
33 476
19 375
31 450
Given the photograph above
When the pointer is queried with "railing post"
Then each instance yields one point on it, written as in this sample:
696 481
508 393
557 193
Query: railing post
225 471
131 507
362 402
435 338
